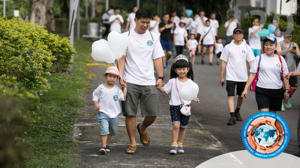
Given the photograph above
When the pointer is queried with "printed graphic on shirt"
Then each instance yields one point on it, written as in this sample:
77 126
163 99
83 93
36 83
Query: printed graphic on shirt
150 43
116 98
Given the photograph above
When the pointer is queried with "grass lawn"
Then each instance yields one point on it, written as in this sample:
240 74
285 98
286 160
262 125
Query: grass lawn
49 138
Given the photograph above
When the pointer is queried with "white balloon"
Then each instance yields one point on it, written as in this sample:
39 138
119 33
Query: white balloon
118 43
101 52
189 91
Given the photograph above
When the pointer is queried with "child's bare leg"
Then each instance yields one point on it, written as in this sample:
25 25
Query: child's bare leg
104 140
181 135
175 132
193 58
108 141
211 50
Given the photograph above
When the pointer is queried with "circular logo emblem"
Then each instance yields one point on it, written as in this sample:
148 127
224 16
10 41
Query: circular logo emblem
150 43
116 98
265 134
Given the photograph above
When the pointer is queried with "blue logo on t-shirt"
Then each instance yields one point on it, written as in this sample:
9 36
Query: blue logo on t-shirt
150 43
116 98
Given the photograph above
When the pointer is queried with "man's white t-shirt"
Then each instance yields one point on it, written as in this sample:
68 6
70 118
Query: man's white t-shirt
209 33
232 26
109 100
189 22
105 18
215 24
236 57
116 25
142 49
175 100
254 39
130 19
269 75
180 35
192 44
156 28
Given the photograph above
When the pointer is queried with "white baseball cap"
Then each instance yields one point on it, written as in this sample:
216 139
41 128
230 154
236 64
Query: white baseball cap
112 70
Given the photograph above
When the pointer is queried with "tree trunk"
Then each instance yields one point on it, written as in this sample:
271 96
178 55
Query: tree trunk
50 22
38 12
93 6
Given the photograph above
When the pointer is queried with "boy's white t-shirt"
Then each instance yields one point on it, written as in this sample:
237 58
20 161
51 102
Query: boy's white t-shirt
214 23
109 100
140 54
236 57
175 100
254 39
156 28
269 75
180 34
219 48
192 44
116 25
210 34
130 19
232 26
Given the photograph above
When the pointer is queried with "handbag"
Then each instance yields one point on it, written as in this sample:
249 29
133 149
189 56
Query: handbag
254 82
185 109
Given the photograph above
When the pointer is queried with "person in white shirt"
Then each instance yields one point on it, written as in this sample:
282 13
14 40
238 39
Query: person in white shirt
180 37
219 49
143 53
200 25
208 36
234 57
106 99
189 25
154 25
192 46
278 35
253 37
230 25
130 25
272 71
176 18
181 75
105 21
214 22
115 21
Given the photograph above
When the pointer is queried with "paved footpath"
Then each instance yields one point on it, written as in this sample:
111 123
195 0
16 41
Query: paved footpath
200 144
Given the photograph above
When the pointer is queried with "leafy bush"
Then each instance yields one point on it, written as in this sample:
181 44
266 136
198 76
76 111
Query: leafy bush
28 53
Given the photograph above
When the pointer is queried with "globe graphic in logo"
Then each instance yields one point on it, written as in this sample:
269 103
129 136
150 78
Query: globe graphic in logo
265 135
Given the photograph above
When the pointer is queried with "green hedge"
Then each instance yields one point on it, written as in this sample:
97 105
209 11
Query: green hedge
28 53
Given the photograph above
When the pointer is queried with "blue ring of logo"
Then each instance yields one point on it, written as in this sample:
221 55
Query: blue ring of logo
284 144
115 97
150 43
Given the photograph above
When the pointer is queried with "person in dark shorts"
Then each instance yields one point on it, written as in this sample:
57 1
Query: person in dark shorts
166 38
234 57
271 69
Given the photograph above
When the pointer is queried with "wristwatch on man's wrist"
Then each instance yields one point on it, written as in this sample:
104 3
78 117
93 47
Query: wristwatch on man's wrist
161 77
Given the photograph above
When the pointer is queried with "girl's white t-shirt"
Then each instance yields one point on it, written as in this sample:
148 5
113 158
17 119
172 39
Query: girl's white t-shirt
116 25
219 48
108 99
269 75
192 44
180 34
171 87
209 33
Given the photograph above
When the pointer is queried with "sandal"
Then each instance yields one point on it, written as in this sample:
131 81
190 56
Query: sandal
144 138
131 149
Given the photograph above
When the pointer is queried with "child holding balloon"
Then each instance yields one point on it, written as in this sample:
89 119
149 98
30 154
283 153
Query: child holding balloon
181 77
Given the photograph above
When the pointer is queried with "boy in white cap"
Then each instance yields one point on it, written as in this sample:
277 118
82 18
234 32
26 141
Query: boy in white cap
106 99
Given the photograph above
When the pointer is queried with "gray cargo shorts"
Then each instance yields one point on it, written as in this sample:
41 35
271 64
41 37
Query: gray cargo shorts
147 96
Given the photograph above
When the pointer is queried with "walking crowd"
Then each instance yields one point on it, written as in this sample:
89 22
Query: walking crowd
273 70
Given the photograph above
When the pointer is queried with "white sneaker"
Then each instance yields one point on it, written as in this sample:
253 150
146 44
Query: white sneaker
180 150
173 150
